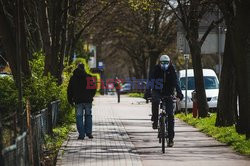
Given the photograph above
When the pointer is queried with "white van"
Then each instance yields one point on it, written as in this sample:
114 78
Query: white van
211 87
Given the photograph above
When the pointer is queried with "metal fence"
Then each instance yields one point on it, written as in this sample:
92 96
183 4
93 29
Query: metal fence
55 111
28 148
17 154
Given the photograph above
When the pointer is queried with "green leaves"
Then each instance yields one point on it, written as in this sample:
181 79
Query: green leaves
140 4
8 95
37 64
40 91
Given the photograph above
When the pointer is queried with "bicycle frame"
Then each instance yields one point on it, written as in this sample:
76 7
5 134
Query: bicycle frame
163 121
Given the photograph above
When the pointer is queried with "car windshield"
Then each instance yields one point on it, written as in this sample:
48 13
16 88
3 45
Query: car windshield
210 82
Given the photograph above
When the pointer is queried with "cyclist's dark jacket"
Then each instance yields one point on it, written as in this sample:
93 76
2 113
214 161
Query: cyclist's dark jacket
169 84
77 89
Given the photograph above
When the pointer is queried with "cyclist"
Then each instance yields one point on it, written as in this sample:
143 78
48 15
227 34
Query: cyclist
166 87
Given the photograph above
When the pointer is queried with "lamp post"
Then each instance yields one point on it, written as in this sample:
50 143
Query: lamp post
186 58
220 28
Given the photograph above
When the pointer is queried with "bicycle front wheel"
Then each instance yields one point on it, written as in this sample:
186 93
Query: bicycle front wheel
163 133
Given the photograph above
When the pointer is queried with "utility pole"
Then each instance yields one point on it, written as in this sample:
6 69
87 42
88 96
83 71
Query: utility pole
219 44
186 57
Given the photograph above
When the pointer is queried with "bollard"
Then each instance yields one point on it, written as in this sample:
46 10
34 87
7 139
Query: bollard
195 105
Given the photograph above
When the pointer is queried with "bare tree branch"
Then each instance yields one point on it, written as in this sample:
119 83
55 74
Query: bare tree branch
78 35
210 27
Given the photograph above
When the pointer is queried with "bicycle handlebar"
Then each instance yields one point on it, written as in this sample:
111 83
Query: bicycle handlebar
174 98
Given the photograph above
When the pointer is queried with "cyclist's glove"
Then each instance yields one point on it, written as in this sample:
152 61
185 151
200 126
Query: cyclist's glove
180 96
147 94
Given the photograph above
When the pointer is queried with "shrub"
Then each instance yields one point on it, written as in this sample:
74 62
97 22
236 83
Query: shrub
66 113
8 96
39 89
40 92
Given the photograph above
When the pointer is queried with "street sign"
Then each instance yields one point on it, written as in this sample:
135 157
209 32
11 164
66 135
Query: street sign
100 65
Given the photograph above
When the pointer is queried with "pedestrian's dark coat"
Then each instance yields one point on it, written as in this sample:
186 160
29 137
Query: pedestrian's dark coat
77 89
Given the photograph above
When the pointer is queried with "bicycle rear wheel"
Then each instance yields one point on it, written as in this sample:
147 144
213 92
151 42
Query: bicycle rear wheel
163 133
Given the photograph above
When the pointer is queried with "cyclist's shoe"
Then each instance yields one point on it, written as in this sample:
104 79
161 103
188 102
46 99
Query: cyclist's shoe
170 143
152 118
90 136
154 125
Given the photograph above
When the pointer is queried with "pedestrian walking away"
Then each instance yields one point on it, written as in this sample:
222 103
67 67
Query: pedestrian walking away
164 79
117 84
80 96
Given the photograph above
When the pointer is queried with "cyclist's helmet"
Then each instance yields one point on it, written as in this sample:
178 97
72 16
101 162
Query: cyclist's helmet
164 62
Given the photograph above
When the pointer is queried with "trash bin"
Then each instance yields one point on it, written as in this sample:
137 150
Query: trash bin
195 105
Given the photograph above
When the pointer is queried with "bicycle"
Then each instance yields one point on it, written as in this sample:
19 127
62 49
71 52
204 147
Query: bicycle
163 124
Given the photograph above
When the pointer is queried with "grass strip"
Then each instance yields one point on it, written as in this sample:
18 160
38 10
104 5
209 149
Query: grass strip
136 95
53 143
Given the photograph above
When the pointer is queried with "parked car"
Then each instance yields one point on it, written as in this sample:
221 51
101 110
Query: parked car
3 74
211 84
110 89
126 88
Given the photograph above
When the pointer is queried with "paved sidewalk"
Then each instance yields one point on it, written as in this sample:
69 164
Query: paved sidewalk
111 145
123 136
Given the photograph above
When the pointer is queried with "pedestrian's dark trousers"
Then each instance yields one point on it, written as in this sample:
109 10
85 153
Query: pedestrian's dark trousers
170 111
118 94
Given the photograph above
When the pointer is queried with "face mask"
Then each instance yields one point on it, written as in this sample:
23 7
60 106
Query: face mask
164 65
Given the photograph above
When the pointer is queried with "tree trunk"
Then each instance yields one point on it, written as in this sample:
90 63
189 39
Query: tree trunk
227 100
245 26
64 33
195 50
136 69
55 35
24 49
8 40
7 32
242 44
33 31
45 32
240 37
71 32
